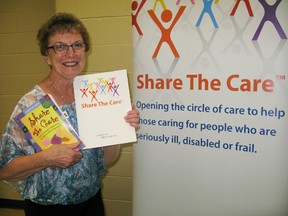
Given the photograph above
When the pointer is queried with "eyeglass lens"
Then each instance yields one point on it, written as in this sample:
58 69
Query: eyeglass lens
63 48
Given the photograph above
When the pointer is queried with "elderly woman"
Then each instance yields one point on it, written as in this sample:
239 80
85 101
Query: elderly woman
73 186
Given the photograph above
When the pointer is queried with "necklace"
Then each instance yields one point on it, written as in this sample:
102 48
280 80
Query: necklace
66 102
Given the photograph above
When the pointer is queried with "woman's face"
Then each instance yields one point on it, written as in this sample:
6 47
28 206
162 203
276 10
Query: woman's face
68 64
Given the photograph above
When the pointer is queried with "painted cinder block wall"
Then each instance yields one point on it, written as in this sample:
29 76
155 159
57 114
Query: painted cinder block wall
21 66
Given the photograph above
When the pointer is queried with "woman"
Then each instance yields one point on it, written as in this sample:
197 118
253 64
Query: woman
73 187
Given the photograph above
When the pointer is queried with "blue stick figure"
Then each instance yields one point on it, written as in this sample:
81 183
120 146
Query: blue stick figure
207 9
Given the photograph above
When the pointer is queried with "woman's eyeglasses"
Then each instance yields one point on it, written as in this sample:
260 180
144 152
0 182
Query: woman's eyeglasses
62 48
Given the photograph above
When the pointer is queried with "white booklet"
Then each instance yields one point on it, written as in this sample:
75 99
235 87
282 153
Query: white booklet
102 100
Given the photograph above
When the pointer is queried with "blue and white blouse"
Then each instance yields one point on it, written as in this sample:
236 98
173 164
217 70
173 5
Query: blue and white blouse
72 185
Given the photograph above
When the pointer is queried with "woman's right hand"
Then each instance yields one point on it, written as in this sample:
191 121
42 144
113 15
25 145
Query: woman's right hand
62 156
21 167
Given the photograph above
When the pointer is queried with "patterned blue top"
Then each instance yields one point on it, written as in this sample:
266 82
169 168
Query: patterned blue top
72 185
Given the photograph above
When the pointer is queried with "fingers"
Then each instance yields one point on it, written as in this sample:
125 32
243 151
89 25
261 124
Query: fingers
74 145
132 114
132 118
63 156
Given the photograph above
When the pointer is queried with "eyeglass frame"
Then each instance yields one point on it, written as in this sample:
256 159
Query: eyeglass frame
68 45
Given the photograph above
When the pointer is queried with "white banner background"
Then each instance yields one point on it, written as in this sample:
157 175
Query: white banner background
229 156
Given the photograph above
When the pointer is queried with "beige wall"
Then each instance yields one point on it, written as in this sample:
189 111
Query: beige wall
21 66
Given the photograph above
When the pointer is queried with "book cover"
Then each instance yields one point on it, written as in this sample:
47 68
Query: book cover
102 100
45 125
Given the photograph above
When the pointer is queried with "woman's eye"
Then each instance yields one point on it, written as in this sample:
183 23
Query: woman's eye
78 45
59 46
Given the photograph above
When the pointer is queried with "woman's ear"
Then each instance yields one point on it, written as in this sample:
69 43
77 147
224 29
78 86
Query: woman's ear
47 59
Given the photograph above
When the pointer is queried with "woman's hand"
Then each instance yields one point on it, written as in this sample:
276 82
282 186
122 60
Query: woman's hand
63 156
132 117
21 167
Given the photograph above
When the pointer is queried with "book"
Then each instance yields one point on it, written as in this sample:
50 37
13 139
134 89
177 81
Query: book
45 125
102 100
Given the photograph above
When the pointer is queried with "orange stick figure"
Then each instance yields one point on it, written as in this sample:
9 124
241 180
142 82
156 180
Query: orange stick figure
166 16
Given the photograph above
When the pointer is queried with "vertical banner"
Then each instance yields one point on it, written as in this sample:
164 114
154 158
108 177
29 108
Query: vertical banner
210 85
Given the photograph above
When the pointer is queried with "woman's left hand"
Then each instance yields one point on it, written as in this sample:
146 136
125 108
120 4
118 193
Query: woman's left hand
132 117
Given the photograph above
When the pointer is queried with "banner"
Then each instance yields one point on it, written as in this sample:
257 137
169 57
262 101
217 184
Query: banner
210 85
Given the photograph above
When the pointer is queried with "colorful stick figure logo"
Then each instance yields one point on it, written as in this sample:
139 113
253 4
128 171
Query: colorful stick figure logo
166 16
